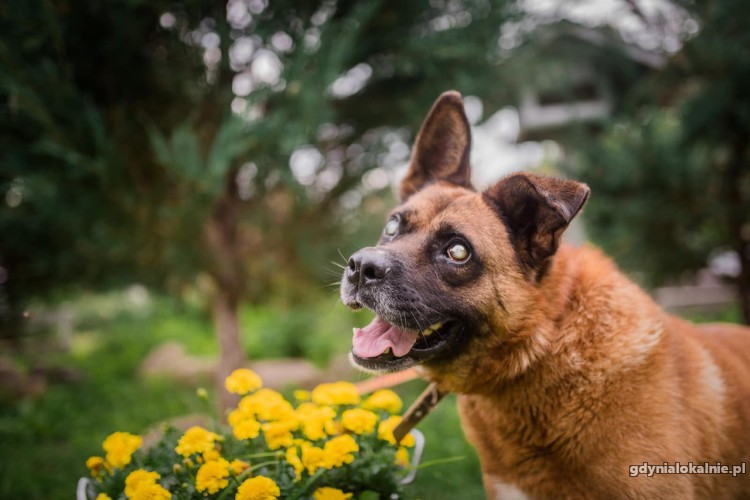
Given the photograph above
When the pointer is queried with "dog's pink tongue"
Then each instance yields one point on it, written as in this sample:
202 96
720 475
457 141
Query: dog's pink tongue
375 338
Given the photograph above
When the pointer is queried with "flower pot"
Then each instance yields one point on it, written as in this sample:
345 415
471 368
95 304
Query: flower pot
85 490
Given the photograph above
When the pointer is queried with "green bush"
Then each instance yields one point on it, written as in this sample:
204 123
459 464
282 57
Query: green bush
314 331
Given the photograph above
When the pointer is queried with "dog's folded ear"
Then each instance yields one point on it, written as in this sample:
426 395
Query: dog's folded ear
441 151
536 210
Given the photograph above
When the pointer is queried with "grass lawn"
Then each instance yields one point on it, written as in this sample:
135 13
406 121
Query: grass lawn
44 441
444 440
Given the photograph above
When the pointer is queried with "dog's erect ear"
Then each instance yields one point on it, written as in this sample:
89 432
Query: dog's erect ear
536 211
441 151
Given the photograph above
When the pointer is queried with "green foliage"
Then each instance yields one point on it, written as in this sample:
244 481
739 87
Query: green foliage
716 61
51 436
670 176
652 207
726 315
117 133
316 331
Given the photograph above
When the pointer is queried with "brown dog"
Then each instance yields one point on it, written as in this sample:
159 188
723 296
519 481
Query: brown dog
570 377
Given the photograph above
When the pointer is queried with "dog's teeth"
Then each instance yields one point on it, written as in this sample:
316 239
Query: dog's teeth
432 329
387 350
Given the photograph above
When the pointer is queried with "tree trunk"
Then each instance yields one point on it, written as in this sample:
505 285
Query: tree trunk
743 282
231 354
739 225
225 256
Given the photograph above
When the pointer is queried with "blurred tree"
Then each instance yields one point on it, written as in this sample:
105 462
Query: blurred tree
671 177
149 140
651 205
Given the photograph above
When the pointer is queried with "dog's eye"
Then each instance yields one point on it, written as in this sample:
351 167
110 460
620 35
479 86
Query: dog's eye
391 227
458 253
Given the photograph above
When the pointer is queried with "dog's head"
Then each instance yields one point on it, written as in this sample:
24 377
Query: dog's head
454 266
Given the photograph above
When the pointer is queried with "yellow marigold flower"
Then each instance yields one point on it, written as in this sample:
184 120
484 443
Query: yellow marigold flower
281 410
212 476
103 496
238 466
327 493
243 381
316 421
266 404
247 428
196 440
402 457
96 465
120 447
340 450
384 399
314 458
337 393
138 478
258 488
259 398
306 409
151 491
359 421
334 427
385 432
238 414
314 429
302 395
212 454
293 458
279 434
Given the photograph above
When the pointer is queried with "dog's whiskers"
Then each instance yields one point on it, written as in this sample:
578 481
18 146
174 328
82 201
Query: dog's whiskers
346 261
416 320
333 272
340 266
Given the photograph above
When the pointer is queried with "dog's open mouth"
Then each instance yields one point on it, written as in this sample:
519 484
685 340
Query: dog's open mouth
383 346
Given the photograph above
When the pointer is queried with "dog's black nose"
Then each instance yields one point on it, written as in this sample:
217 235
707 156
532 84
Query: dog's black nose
367 267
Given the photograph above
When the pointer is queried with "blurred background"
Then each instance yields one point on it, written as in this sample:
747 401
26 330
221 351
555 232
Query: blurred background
181 180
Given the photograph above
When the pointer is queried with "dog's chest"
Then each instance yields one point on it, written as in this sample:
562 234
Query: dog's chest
499 490
514 445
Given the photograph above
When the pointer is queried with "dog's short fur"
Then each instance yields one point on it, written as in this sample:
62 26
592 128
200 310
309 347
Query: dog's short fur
568 373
